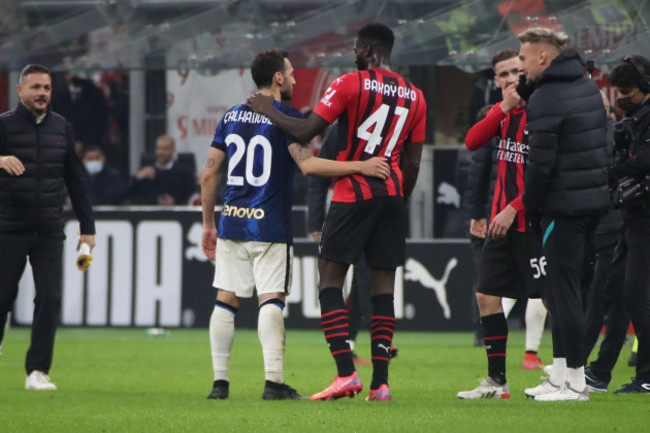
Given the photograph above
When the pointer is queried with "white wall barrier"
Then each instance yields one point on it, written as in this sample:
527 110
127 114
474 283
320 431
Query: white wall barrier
148 270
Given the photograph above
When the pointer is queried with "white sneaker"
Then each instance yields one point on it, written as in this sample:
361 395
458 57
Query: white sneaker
39 381
488 388
565 393
546 387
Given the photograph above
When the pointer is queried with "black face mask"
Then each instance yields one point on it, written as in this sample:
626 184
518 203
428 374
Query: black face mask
627 105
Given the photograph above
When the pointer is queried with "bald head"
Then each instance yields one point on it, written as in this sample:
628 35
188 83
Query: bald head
165 149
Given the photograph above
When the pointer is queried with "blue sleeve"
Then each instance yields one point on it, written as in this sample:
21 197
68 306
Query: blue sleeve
219 142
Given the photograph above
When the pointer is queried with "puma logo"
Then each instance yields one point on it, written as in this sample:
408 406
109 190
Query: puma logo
448 194
194 251
381 346
415 271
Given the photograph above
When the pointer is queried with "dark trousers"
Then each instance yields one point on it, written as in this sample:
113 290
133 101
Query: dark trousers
637 287
45 255
565 240
605 306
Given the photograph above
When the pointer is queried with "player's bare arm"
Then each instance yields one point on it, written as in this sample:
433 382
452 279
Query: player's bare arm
302 129
411 168
12 165
313 166
502 222
209 184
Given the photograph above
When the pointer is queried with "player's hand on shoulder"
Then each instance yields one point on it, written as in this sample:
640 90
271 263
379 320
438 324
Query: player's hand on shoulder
376 167
209 243
260 103
12 165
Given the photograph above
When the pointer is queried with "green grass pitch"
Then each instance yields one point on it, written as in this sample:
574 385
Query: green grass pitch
114 380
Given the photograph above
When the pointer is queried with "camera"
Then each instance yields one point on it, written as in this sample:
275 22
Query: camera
630 189
623 135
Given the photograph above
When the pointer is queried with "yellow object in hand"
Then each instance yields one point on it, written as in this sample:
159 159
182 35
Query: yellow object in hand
84 258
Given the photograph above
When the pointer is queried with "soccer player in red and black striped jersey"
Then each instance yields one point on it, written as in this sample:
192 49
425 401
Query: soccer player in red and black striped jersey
512 264
379 114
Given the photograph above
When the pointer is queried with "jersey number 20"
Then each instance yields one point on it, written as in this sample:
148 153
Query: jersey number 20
249 149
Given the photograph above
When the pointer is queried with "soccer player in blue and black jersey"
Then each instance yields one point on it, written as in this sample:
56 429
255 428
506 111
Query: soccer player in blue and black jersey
254 250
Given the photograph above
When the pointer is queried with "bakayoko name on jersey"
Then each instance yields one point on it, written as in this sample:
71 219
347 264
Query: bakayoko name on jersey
389 89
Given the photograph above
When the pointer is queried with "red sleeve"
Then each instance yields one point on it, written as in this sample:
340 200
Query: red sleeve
419 127
335 100
486 129
518 203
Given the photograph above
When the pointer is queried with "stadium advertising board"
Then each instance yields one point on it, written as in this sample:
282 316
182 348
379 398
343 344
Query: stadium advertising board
148 270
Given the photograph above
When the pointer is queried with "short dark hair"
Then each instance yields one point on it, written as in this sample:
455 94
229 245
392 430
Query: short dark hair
34 69
265 65
625 75
379 35
502 55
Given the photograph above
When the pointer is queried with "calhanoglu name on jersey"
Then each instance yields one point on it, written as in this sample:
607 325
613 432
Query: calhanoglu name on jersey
242 116
389 89
243 212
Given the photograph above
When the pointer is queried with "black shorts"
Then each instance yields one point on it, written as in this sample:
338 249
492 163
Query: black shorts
513 267
375 227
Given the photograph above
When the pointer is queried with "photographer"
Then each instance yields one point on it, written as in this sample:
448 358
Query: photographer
632 81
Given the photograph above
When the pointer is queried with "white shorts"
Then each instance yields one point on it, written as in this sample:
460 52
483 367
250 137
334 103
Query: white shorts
243 266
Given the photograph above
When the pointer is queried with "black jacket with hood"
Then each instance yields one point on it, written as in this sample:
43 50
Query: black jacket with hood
566 171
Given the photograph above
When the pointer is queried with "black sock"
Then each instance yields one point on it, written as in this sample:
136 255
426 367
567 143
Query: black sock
381 337
334 320
495 334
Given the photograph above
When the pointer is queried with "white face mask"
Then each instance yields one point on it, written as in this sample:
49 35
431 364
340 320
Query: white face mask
94 167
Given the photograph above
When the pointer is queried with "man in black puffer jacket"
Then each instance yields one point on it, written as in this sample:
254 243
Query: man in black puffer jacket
37 163
566 183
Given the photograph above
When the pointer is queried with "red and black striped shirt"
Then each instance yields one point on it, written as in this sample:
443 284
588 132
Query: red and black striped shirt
377 111
512 152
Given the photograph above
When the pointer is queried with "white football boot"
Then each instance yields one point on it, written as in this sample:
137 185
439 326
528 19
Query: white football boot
487 388
39 381
546 387
565 393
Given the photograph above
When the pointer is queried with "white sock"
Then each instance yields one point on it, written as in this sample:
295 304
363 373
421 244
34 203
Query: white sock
222 334
507 304
270 329
576 378
558 374
535 318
